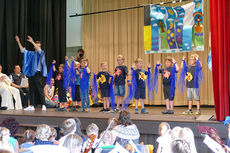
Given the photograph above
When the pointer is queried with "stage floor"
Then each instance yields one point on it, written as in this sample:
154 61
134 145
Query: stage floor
154 114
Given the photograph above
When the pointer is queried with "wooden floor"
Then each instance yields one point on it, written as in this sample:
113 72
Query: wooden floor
154 114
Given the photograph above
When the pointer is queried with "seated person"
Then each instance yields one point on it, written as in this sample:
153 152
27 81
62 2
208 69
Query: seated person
49 93
16 78
7 91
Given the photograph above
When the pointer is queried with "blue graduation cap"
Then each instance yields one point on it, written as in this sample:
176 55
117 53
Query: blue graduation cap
227 120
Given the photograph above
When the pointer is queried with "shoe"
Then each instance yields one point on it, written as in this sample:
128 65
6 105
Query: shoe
197 112
73 109
115 110
107 110
87 110
136 111
43 108
187 112
165 112
29 108
102 110
143 111
170 112
81 110
61 110
78 106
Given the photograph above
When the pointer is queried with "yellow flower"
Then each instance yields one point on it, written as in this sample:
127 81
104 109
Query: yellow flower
102 79
142 76
189 77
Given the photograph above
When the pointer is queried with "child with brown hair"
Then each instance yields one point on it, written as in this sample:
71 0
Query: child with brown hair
29 136
103 78
140 93
168 76
120 74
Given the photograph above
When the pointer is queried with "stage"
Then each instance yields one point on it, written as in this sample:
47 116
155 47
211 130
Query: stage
147 124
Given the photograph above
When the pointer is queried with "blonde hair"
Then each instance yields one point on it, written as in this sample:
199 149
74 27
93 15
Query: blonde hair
92 129
106 137
187 134
163 128
104 63
69 125
72 141
29 135
43 132
121 57
114 123
3 132
138 60
53 132
194 56
84 60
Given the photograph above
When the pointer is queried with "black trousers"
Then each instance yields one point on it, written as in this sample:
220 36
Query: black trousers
24 94
36 85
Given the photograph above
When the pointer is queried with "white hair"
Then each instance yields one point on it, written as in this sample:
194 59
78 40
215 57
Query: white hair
187 135
69 126
175 132
43 132
92 129
106 137
72 141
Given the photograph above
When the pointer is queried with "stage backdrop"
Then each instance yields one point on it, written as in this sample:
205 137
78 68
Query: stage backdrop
44 20
109 34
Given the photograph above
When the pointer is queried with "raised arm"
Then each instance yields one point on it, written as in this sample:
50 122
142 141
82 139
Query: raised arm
174 62
182 63
36 47
19 43
54 68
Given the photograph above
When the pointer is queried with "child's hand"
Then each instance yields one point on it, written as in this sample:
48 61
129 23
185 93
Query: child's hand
30 39
72 58
158 62
54 62
197 57
129 83
66 58
173 60
17 38
149 65
183 58
133 66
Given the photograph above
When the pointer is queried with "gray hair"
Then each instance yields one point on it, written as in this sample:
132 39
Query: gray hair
43 132
72 141
68 126
92 129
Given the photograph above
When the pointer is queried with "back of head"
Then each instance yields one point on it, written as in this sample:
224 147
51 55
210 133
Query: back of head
72 141
187 135
43 132
92 129
11 124
113 122
53 132
78 127
4 134
124 118
175 132
106 137
29 135
69 126
164 128
180 146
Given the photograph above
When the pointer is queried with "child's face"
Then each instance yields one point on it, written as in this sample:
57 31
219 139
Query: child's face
104 67
139 65
120 61
60 69
192 61
83 64
52 81
168 63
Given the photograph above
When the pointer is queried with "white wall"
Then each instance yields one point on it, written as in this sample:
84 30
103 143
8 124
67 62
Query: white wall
73 25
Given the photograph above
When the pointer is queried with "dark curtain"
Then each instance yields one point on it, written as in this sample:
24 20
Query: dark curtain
44 20
220 38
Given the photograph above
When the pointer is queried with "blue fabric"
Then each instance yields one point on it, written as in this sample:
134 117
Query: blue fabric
31 61
111 94
227 120
77 82
66 76
40 142
94 89
173 81
132 90
199 77
187 38
181 83
12 141
209 60
50 75
72 79
85 98
84 86
26 145
155 78
150 85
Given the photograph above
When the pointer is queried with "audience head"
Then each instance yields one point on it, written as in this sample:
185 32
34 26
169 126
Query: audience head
124 118
106 137
78 127
74 143
29 135
92 129
0 68
104 66
187 134
43 132
4 134
53 134
164 128
139 63
168 61
17 69
69 126
114 122
11 124
80 53
175 132
61 68
180 146
120 59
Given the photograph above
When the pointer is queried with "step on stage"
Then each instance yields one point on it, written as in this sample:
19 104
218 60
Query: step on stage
147 123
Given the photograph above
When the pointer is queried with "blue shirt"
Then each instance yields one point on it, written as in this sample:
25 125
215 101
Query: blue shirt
84 81
77 82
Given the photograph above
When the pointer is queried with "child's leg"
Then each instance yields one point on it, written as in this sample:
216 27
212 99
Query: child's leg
142 104
108 103
104 102
83 99
87 99
118 101
171 104
198 104
167 103
190 104
136 103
